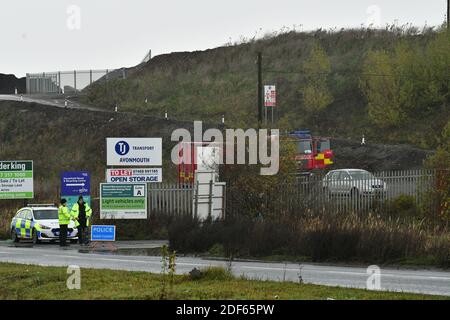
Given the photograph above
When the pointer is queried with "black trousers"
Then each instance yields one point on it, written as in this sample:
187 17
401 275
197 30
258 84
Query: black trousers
62 234
82 234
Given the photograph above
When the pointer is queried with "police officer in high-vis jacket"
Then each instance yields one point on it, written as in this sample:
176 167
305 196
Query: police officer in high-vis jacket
81 213
64 220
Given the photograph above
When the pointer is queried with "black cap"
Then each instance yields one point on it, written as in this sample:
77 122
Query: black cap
63 201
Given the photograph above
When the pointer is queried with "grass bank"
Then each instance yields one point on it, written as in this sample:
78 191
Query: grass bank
36 282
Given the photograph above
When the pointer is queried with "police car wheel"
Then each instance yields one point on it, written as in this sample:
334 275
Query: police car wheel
14 237
35 237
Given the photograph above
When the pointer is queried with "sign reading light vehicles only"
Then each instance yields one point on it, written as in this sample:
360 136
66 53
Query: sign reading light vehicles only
123 201
134 151
147 175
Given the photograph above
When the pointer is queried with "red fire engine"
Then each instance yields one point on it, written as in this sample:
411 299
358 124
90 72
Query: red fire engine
312 152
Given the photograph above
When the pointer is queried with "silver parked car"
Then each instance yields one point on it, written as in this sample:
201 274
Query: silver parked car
353 182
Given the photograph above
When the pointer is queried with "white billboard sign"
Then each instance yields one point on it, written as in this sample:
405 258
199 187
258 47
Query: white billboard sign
144 175
134 151
270 96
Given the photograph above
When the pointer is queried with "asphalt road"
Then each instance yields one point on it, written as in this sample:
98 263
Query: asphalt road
418 281
56 101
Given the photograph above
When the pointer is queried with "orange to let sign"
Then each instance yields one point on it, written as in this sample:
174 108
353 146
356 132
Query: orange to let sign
270 96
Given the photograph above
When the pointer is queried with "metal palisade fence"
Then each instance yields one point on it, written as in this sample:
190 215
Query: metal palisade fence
319 193
185 199
339 193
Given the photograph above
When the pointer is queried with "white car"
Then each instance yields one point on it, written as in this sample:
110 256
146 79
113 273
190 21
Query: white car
39 222
353 182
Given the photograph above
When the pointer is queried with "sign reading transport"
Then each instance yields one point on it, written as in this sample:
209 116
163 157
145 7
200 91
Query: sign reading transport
146 175
123 201
134 151
16 179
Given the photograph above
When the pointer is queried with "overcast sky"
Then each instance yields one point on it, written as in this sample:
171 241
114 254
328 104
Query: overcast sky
50 35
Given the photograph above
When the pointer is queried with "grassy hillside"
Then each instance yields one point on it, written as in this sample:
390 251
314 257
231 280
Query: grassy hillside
207 84
64 140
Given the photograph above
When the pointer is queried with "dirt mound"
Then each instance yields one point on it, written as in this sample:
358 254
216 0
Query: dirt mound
8 83
377 157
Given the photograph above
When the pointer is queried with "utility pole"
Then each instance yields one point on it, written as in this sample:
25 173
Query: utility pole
448 15
260 93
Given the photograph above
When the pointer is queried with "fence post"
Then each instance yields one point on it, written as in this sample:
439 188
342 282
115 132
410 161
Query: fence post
210 203
196 200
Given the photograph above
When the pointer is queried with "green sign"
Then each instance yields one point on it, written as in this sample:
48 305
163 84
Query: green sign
123 201
16 179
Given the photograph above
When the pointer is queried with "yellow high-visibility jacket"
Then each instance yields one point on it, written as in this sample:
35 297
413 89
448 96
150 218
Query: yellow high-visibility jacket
76 211
63 215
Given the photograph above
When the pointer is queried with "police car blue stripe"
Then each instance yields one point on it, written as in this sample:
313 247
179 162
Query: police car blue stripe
27 233
22 224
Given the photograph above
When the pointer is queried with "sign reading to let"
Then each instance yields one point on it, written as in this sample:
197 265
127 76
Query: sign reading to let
123 201
16 179
145 175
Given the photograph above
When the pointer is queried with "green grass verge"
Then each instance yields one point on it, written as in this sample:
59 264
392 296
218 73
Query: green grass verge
35 282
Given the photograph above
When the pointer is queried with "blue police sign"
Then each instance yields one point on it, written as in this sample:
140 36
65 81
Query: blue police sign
103 233
75 183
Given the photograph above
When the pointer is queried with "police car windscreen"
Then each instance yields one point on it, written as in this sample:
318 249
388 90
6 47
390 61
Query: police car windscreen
46 214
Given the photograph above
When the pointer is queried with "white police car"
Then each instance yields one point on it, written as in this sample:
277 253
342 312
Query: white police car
39 222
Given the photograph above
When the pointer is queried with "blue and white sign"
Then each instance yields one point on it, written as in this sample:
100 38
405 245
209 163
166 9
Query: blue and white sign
134 151
103 233
75 183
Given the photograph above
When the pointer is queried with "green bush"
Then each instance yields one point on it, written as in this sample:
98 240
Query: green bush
404 206
214 274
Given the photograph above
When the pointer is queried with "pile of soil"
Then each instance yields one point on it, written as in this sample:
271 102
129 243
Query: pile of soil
9 82
377 157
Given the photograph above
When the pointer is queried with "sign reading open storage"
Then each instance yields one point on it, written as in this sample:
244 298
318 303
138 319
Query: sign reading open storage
16 179
137 175
123 201
134 151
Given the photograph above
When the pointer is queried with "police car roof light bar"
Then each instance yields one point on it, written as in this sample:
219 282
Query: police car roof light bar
41 205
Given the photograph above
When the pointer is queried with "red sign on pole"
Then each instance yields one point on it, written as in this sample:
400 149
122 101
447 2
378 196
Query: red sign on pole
270 96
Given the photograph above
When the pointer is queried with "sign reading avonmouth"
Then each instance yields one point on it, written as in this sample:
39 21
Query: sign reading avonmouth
134 151
144 175
123 201
16 179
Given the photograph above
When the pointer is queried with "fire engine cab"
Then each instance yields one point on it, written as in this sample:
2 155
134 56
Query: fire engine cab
312 152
